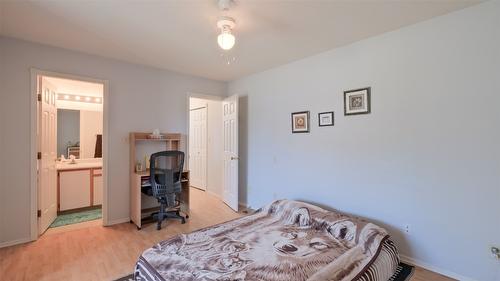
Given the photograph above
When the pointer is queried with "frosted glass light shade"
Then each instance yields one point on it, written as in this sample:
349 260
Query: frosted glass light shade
226 40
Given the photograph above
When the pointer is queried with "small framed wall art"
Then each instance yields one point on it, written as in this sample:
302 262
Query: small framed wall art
300 122
357 101
325 119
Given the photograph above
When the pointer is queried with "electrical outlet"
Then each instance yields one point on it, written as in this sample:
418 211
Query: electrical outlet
407 229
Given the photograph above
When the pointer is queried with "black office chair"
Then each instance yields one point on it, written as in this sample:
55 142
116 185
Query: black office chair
165 177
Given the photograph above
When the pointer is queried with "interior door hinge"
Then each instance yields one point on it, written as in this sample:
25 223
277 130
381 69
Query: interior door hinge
39 97
39 213
39 155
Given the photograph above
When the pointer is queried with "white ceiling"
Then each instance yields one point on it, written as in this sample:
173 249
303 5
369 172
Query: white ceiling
181 35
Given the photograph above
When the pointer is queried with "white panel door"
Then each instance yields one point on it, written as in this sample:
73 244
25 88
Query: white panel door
230 136
198 148
47 180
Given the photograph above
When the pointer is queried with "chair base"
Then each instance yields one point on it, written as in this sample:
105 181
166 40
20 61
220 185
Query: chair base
167 215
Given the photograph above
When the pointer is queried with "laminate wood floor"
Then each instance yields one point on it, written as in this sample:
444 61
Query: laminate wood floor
89 251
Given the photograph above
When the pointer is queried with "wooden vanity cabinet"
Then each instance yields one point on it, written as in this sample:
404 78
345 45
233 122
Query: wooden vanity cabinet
79 188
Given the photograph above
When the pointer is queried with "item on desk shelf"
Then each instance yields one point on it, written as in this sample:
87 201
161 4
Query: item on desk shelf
138 167
146 160
156 134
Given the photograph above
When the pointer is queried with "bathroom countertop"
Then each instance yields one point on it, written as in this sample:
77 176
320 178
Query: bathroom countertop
65 166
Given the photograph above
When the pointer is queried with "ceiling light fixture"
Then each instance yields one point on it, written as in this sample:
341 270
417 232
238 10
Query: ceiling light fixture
226 39
78 98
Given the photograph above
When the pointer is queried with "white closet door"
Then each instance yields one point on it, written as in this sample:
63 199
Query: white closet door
198 148
230 125
47 180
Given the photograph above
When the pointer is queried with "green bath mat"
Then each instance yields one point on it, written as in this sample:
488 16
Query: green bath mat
88 215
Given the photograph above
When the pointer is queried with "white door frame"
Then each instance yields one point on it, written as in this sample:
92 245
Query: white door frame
190 95
34 147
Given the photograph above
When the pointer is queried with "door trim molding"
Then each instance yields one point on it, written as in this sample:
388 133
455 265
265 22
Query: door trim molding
199 107
34 72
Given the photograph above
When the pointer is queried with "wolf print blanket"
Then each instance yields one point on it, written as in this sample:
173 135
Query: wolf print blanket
286 240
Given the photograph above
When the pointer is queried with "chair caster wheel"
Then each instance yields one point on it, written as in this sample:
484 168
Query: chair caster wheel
158 227
187 216
183 221
138 228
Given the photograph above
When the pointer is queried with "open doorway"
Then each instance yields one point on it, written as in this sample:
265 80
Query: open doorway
69 139
205 144
213 146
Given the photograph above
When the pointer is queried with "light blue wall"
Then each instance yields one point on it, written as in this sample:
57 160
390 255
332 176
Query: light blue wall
141 98
68 129
428 155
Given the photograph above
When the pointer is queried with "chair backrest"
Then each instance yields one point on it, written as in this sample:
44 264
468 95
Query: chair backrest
165 172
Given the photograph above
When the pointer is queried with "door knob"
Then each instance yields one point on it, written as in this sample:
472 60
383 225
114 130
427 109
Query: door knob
234 158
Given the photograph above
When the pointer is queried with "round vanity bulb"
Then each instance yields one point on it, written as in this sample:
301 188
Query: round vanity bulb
226 40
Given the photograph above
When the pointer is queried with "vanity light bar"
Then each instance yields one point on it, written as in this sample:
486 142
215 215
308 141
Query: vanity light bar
79 98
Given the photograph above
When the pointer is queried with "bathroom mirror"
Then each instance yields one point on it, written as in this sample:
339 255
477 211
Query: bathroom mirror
68 132
79 133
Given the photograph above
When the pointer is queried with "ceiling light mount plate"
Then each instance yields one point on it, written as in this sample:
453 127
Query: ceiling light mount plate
224 4
226 22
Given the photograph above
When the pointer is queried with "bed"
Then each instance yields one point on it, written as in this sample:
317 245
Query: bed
286 240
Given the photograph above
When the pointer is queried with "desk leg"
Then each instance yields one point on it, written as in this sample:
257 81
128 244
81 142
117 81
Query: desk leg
135 200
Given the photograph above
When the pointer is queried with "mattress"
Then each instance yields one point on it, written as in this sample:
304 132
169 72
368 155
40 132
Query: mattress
286 240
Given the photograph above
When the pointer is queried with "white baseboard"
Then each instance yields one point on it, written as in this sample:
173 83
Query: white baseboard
118 221
15 242
430 267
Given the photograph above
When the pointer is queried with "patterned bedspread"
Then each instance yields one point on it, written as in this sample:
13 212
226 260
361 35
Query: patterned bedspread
286 240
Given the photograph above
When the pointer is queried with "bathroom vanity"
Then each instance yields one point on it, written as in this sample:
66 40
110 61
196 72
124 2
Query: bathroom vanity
79 185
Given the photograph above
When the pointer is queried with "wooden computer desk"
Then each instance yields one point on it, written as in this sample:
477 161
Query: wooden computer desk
139 212
142 205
